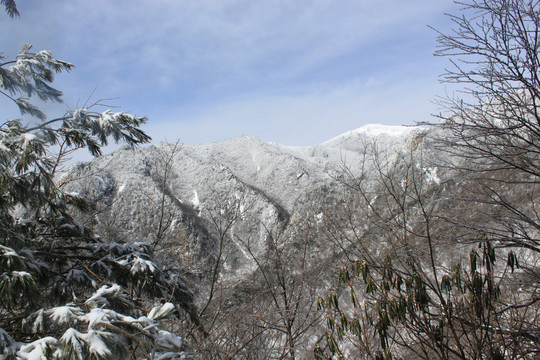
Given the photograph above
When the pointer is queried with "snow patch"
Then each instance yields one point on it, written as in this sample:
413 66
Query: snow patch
169 340
160 312
36 350
94 340
140 265
64 314
195 199
431 176
96 344
100 296
95 317
375 130
27 138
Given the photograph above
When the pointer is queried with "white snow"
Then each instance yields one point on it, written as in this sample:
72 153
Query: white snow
374 130
93 339
431 176
28 137
36 350
169 340
20 275
96 316
64 314
72 337
141 265
8 252
39 323
96 344
99 296
248 175
106 118
195 199
162 311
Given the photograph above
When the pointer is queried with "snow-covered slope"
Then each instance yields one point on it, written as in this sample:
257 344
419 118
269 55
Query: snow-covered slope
349 148
183 197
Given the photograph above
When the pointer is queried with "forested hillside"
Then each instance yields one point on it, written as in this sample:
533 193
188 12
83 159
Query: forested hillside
384 242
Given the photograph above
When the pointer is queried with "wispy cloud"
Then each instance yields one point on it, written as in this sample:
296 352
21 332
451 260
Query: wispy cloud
195 62
302 119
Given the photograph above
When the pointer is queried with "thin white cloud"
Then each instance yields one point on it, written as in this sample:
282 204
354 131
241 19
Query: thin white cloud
304 119
240 38
226 67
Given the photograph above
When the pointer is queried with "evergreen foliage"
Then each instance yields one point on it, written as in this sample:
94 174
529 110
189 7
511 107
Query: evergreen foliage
398 310
11 7
65 292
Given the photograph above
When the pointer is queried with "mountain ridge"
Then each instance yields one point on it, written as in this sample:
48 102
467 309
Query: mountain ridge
184 191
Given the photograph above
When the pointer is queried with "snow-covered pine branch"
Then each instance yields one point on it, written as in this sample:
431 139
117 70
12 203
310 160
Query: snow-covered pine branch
65 291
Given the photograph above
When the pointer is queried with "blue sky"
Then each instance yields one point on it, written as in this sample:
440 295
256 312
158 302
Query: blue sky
295 72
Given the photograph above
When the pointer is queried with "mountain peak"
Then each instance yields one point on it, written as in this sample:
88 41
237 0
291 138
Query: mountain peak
374 130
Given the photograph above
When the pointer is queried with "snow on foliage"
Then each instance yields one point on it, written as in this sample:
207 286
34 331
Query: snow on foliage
37 350
101 296
160 312
140 265
95 332
65 291
64 315
96 345
169 340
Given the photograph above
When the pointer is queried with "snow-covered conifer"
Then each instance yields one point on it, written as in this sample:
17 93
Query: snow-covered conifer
66 292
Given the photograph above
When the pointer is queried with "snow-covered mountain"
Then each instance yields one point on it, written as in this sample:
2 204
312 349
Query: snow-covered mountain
184 197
